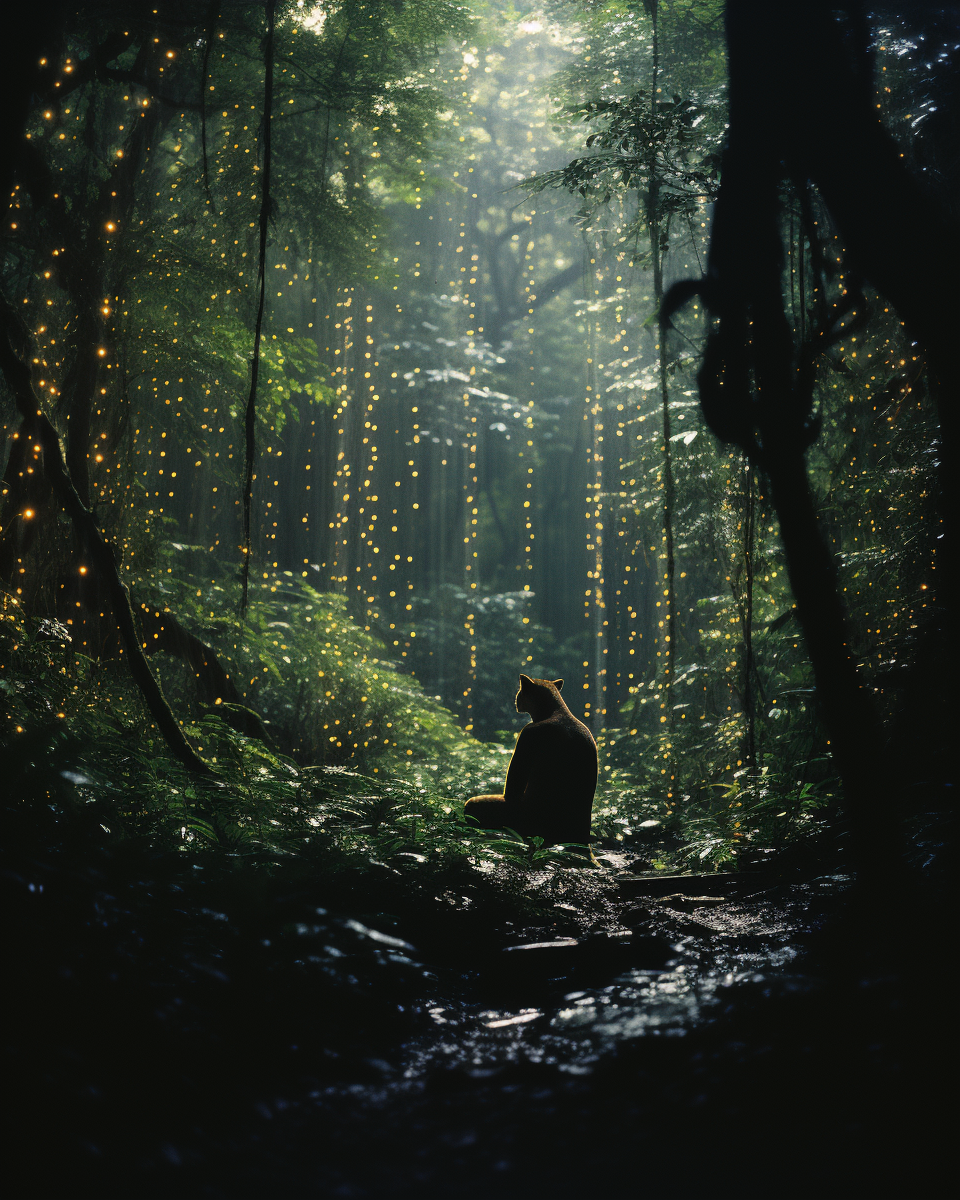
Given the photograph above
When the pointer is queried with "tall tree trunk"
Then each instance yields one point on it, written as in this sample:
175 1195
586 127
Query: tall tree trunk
855 733
748 690
658 234
754 389
250 417
817 107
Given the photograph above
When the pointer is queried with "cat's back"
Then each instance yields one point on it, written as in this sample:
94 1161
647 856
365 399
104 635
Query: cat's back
565 748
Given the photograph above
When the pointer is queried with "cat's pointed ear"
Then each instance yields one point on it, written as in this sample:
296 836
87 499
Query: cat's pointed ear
558 684
525 679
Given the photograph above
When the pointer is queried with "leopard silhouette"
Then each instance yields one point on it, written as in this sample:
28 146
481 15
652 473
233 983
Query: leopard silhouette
552 775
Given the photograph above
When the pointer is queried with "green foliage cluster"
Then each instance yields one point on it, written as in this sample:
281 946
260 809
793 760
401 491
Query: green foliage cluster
324 685
80 756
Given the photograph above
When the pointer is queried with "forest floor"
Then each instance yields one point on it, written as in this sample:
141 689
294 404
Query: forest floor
214 1031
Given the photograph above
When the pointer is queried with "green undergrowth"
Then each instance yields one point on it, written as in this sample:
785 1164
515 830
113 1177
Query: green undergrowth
739 819
84 766
79 753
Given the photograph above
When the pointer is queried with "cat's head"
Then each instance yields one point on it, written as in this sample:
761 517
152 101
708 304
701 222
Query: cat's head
536 694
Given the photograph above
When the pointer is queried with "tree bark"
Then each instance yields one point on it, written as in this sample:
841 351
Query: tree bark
853 726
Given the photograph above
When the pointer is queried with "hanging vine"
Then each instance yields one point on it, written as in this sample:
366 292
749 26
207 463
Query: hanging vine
213 11
251 413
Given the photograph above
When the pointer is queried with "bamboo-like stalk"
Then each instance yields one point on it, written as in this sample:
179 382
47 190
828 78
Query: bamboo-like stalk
250 418
655 232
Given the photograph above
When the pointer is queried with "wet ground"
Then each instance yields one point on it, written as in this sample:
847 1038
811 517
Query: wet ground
656 966
687 1044
657 1036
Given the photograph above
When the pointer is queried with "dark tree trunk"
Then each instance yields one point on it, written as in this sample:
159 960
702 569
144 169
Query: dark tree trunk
162 632
102 560
658 231
26 490
816 96
805 112
849 715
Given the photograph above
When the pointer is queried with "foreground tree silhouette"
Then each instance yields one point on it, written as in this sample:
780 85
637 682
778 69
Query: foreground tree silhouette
805 114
